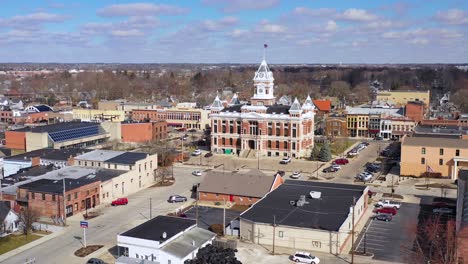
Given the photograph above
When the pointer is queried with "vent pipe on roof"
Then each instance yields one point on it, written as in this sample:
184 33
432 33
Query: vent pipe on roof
193 242
315 195
164 235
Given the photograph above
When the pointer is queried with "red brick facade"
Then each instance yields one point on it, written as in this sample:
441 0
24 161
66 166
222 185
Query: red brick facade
15 140
415 111
143 132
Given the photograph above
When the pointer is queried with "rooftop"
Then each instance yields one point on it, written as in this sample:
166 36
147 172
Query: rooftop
99 155
129 158
57 127
188 242
252 184
440 142
327 213
463 175
322 105
367 111
447 130
32 171
153 229
56 186
50 154
208 216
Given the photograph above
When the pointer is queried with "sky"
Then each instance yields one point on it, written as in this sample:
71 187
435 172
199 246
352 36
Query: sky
234 31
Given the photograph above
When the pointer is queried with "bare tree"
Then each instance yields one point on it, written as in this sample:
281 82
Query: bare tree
28 216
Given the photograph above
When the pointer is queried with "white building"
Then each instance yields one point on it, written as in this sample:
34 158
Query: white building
164 240
9 220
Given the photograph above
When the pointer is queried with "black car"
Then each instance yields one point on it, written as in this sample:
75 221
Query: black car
209 154
383 217
329 169
95 261
192 130
378 138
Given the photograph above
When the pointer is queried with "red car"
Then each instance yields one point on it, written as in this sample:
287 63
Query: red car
386 210
120 201
341 161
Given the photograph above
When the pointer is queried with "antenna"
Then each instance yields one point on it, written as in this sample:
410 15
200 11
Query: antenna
265 46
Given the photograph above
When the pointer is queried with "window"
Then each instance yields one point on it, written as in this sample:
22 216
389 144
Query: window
43 196
53 197
280 234
86 163
423 150
33 196
441 162
441 151
423 161
115 166
457 152
87 193
68 197
269 143
76 195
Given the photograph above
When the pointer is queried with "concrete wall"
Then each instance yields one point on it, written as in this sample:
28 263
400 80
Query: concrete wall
97 114
36 141
402 97
114 129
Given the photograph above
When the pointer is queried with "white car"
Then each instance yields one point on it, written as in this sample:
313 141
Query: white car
295 175
196 173
305 257
365 177
388 203
196 152
336 166
285 160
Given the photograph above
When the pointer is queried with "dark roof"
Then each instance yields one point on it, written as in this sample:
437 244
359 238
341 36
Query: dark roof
208 216
50 154
153 229
57 127
43 108
327 213
435 135
32 171
6 151
233 108
128 158
4 210
107 174
56 186
278 109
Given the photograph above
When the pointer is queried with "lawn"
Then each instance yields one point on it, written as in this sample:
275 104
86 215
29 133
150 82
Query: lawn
338 147
14 241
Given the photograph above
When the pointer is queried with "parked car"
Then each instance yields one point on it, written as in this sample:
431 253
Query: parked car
442 210
364 176
378 138
177 199
95 261
192 130
305 257
386 210
295 175
196 152
329 169
388 203
285 160
341 161
383 217
209 154
196 173
374 167
365 143
120 201
336 166
353 152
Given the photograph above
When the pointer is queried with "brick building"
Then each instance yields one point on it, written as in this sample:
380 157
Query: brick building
141 132
240 188
336 127
46 196
415 111
181 117
262 127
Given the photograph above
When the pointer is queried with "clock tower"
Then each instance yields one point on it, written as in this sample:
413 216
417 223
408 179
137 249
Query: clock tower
264 86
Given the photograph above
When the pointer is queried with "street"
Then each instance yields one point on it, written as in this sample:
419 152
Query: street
103 229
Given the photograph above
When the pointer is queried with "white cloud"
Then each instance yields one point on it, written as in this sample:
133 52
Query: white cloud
419 41
272 28
32 20
452 17
238 5
140 9
357 15
314 12
217 25
331 26
127 33
384 24
238 33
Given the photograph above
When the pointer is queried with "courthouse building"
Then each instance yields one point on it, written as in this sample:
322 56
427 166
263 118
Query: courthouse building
262 127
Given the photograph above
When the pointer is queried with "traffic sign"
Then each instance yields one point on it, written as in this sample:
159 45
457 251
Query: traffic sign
83 224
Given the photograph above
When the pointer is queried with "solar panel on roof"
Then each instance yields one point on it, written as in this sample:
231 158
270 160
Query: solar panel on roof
74 133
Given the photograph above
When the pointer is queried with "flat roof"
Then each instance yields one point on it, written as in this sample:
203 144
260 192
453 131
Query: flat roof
153 229
99 155
57 127
56 186
50 154
368 111
187 243
463 175
208 216
430 141
327 213
128 158
32 171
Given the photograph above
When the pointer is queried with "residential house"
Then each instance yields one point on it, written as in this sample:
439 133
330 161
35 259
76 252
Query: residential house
239 188
163 239
322 107
9 220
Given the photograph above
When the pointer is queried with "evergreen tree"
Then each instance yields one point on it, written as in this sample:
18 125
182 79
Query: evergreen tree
315 152
325 153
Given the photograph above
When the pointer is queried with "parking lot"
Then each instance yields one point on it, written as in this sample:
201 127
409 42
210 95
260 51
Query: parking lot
391 241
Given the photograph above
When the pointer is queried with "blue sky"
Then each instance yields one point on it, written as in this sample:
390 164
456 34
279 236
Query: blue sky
234 31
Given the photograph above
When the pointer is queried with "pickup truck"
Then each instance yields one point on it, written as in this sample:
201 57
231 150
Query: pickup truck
387 204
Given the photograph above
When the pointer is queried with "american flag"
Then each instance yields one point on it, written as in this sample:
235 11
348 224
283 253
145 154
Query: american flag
265 45
429 169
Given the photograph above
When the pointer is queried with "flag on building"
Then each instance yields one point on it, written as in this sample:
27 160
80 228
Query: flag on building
265 45
429 169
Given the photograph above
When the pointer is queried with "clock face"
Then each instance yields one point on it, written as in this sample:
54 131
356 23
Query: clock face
261 75
260 90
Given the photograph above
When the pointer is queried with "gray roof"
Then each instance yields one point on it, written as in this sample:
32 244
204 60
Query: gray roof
99 155
463 175
127 260
327 213
251 184
296 106
370 110
4 210
188 242
208 216
435 142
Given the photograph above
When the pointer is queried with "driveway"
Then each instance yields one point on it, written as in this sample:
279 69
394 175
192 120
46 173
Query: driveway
391 241
103 230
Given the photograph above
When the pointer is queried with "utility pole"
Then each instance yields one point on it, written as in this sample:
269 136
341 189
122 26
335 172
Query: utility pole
1 191
196 208
274 233
151 216
258 154
352 232
224 217
64 204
